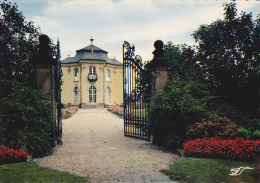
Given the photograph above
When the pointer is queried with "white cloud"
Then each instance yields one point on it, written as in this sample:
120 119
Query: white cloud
142 22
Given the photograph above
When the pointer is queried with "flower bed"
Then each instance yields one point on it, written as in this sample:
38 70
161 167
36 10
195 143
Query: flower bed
237 149
116 109
68 112
8 155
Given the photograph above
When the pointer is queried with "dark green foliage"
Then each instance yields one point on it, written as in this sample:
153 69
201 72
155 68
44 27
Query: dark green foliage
256 135
183 63
250 130
25 112
174 108
2 136
183 103
27 121
18 44
214 126
228 54
226 61
245 133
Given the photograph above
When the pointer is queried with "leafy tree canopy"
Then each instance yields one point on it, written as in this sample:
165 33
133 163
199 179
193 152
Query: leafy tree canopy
183 63
228 52
18 44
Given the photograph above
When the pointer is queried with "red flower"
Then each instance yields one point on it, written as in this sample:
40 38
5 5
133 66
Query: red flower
231 149
8 155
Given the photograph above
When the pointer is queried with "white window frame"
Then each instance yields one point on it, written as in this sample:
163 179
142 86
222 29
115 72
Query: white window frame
92 70
92 94
108 75
108 95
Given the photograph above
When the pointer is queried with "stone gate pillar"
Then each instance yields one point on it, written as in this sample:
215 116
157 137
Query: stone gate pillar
44 67
158 67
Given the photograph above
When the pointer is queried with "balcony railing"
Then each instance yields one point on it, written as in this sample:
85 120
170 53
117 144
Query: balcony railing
92 77
76 78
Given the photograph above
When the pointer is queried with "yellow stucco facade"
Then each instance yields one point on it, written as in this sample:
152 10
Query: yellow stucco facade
91 79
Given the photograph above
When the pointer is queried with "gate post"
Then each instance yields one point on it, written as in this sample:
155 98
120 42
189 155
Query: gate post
44 66
158 67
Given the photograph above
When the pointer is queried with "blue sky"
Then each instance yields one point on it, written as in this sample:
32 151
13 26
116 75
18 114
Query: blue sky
110 22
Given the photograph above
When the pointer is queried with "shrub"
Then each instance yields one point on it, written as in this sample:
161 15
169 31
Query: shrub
221 148
250 131
8 155
27 121
174 108
182 103
256 135
245 132
2 130
214 126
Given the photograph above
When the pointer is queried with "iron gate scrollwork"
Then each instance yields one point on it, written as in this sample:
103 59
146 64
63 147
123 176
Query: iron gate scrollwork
137 90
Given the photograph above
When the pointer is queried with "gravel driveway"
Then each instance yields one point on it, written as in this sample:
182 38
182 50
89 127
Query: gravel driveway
94 146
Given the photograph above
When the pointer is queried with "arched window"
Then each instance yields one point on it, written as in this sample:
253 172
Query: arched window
92 94
108 95
76 95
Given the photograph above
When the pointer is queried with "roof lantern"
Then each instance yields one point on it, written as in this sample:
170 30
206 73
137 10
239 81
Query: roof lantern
91 40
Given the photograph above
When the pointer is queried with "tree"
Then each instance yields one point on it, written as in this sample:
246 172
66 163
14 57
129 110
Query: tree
228 54
179 104
18 44
25 111
183 64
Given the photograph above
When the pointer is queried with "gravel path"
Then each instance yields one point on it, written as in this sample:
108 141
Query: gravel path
94 146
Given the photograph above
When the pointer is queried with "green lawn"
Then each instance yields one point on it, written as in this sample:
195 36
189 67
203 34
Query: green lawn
197 170
31 172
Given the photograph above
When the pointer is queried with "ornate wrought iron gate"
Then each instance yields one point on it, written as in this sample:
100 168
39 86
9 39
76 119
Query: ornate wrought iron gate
137 90
58 83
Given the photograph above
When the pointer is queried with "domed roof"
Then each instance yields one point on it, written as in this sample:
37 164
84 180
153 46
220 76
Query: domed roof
90 48
91 53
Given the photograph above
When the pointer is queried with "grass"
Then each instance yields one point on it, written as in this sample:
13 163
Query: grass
197 170
137 113
31 172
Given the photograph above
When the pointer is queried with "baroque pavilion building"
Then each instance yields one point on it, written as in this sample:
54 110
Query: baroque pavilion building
91 79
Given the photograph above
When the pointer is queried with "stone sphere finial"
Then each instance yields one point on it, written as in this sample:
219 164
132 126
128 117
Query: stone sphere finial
158 52
44 47
44 39
158 44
